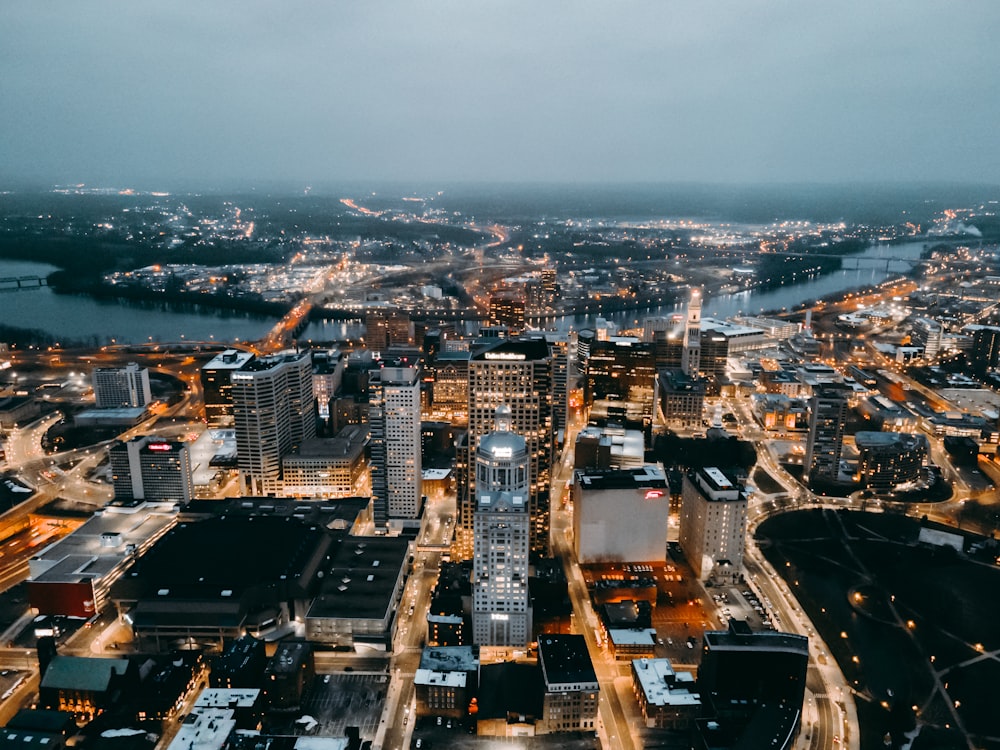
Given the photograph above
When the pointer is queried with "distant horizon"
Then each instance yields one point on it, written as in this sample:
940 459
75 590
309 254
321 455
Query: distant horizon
307 187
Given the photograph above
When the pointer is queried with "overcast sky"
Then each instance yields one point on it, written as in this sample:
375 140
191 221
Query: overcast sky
210 92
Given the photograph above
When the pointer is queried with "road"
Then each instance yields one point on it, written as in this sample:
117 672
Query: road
396 727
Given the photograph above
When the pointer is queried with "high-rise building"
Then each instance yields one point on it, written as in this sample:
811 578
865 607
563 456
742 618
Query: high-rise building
621 369
501 607
827 414
713 524
516 373
121 387
394 422
550 286
385 327
620 515
562 377
327 377
691 354
927 333
451 386
273 412
985 349
216 381
149 468
507 309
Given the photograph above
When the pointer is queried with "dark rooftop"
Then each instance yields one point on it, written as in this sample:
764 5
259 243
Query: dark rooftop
565 659
228 554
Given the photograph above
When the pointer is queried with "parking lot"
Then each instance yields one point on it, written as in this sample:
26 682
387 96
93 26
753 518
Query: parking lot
340 700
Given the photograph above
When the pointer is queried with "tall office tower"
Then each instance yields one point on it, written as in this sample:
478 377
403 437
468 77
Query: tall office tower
216 381
327 377
507 309
562 374
118 387
691 354
827 414
148 468
501 608
985 349
622 369
273 412
385 327
394 424
713 524
516 373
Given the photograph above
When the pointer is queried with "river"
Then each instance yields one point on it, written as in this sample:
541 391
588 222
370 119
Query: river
100 321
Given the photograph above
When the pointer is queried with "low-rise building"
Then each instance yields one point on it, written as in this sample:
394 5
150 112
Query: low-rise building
447 681
86 686
571 688
288 675
360 594
668 699
74 576
328 467
632 643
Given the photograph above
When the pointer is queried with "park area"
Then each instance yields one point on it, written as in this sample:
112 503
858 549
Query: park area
913 626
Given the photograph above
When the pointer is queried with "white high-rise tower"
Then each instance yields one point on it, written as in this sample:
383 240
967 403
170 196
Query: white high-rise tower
394 421
501 608
272 413
691 354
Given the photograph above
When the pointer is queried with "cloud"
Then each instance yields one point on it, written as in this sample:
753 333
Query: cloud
229 91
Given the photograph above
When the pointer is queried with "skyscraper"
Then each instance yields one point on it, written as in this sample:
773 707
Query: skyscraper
394 421
691 354
273 412
516 373
622 369
827 414
121 387
501 608
147 468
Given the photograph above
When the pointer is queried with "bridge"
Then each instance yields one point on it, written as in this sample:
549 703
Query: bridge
858 259
15 283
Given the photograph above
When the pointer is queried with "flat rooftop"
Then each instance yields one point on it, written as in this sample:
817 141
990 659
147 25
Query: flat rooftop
662 686
103 543
565 660
223 556
450 658
230 359
632 636
361 578
649 476
442 679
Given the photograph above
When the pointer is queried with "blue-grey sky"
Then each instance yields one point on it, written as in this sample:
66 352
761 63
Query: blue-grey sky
212 92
